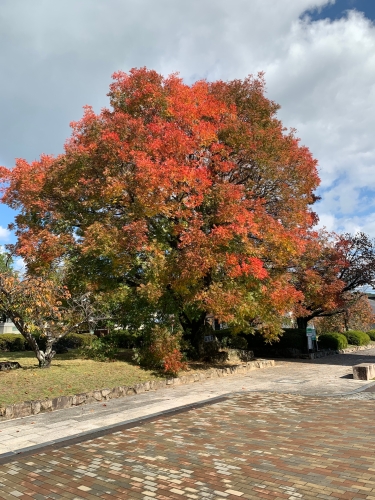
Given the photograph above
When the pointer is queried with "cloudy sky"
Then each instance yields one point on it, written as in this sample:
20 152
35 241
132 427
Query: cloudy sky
318 57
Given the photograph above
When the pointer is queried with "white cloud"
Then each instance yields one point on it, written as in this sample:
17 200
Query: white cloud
325 81
4 234
350 224
19 264
59 56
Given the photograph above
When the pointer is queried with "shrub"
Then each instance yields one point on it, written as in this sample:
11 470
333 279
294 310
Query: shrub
100 349
333 341
161 351
70 341
290 338
238 342
357 338
16 342
76 340
13 342
232 341
371 334
125 339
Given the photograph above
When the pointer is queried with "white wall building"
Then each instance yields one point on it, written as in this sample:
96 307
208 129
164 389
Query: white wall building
6 326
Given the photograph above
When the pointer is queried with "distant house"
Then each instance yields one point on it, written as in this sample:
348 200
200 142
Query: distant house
6 326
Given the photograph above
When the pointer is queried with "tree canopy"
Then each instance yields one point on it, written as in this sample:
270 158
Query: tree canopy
329 274
182 199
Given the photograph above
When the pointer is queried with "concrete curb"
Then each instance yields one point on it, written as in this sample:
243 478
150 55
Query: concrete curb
28 408
108 429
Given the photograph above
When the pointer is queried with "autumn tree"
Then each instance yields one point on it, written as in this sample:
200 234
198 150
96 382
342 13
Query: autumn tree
356 315
40 305
182 199
329 274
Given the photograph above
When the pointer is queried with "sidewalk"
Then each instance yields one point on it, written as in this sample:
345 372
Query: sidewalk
329 376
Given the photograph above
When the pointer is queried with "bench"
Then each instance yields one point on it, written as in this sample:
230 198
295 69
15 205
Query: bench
364 371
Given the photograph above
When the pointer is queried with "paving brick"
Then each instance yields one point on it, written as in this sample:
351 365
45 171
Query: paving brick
253 446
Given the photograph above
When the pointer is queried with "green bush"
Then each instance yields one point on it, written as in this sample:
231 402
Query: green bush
124 339
232 342
70 341
357 338
100 349
13 342
16 342
76 340
333 341
371 334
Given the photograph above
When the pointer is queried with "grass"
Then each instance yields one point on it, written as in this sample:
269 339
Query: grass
69 374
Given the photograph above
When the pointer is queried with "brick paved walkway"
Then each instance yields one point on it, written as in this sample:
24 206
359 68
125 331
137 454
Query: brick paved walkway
253 446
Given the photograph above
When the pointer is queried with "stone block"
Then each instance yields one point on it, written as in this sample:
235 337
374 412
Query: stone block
105 393
364 371
79 399
139 388
9 365
8 412
35 407
22 409
46 405
117 392
146 386
62 402
97 395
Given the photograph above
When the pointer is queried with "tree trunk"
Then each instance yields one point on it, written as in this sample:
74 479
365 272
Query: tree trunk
302 323
47 356
44 358
194 331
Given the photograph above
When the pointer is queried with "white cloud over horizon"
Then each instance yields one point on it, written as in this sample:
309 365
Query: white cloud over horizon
60 55
4 234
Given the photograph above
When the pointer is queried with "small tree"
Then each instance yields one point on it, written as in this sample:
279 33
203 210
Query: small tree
330 272
45 306
357 315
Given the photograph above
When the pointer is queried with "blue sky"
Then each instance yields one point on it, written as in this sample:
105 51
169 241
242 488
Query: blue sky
318 57
338 9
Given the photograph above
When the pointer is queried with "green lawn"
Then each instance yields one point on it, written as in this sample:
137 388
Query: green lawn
68 374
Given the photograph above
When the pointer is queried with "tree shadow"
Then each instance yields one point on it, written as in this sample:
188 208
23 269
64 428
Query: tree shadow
347 359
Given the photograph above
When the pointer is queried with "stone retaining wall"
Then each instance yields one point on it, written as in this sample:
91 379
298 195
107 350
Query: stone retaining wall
34 407
331 352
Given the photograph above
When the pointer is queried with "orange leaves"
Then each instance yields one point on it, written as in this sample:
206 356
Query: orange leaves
251 267
191 191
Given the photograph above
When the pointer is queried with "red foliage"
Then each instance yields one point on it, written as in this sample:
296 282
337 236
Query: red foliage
163 351
196 191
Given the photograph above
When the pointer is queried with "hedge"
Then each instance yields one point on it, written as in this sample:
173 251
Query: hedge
124 339
291 338
13 342
371 334
357 338
16 342
70 341
333 341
